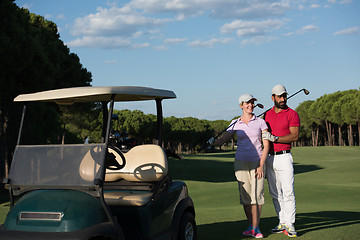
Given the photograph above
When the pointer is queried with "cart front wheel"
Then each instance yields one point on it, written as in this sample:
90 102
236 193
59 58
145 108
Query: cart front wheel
187 228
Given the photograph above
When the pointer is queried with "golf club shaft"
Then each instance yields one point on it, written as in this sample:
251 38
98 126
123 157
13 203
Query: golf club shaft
304 90
261 106
257 105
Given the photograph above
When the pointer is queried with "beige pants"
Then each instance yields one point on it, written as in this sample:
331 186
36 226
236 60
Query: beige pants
250 188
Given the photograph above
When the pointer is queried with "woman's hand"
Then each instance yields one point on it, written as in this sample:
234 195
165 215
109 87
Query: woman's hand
259 172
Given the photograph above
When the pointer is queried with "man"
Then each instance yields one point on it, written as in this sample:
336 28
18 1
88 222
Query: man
283 123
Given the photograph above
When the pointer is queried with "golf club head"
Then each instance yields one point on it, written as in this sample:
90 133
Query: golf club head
259 105
306 91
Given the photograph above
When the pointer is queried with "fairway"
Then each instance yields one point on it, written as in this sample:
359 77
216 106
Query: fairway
327 186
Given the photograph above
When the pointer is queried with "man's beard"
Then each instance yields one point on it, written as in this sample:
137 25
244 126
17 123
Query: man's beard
281 105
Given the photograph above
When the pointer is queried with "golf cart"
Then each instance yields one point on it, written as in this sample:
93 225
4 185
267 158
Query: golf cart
96 191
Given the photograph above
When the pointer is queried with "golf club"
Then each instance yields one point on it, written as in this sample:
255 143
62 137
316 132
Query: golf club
304 90
262 106
257 105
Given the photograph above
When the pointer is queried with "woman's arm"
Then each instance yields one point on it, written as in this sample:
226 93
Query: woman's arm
223 139
259 172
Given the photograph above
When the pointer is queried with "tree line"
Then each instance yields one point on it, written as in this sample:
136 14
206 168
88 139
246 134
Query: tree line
333 119
187 134
32 58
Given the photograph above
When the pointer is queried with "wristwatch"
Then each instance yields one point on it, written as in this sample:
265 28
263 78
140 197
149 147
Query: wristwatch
276 138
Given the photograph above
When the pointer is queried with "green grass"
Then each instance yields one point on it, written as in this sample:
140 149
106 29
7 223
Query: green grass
327 186
4 205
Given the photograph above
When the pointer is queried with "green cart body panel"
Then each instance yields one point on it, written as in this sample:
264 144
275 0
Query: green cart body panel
55 211
152 219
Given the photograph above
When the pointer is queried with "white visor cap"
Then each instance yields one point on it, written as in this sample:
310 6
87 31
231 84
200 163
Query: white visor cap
279 90
245 98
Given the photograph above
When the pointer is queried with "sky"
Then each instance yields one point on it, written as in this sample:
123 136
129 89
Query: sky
209 52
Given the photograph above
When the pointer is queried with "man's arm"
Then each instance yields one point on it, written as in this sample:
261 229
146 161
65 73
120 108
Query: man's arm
291 137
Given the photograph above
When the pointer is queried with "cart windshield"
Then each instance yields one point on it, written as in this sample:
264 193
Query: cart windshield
56 166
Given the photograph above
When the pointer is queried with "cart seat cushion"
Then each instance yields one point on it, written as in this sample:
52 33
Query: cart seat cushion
127 198
143 163
89 167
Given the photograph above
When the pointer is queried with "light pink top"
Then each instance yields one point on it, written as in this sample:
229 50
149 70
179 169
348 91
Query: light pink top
248 138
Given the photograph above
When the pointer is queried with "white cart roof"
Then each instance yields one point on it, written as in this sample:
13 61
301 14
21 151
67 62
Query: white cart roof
96 94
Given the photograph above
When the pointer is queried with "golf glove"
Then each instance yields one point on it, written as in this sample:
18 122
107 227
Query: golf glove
211 140
268 136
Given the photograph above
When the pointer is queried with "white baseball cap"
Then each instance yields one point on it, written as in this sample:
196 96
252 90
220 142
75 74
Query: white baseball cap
279 90
246 97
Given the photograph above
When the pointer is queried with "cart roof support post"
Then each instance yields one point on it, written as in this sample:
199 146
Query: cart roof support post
21 125
159 120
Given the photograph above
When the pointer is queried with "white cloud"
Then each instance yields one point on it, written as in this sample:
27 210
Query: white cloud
114 22
174 40
251 28
140 45
341 1
307 28
210 43
161 48
111 3
348 31
137 34
250 9
218 8
311 43
48 16
61 16
105 42
313 6
143 20
346 1
27 5
258 40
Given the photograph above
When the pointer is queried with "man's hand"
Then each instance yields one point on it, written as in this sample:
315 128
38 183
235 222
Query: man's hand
268 136
211 140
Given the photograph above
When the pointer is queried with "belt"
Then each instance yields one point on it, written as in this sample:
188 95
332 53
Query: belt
279 152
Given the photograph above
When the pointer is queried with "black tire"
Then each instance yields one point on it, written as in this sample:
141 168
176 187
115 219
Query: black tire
101 238
187 227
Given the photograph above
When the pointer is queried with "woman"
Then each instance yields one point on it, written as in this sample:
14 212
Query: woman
249 162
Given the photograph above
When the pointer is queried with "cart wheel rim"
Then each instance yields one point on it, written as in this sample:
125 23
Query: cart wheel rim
189 231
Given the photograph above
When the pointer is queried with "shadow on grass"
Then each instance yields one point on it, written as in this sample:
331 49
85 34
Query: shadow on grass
305 223
301 168
192 169
201 170
308 222
4 196
221 154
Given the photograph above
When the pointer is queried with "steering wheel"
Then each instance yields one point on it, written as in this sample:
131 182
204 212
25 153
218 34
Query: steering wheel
149 171
113 157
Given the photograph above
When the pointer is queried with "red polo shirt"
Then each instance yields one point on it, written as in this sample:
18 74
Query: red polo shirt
279 125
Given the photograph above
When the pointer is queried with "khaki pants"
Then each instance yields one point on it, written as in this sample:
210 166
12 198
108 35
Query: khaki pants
250 188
